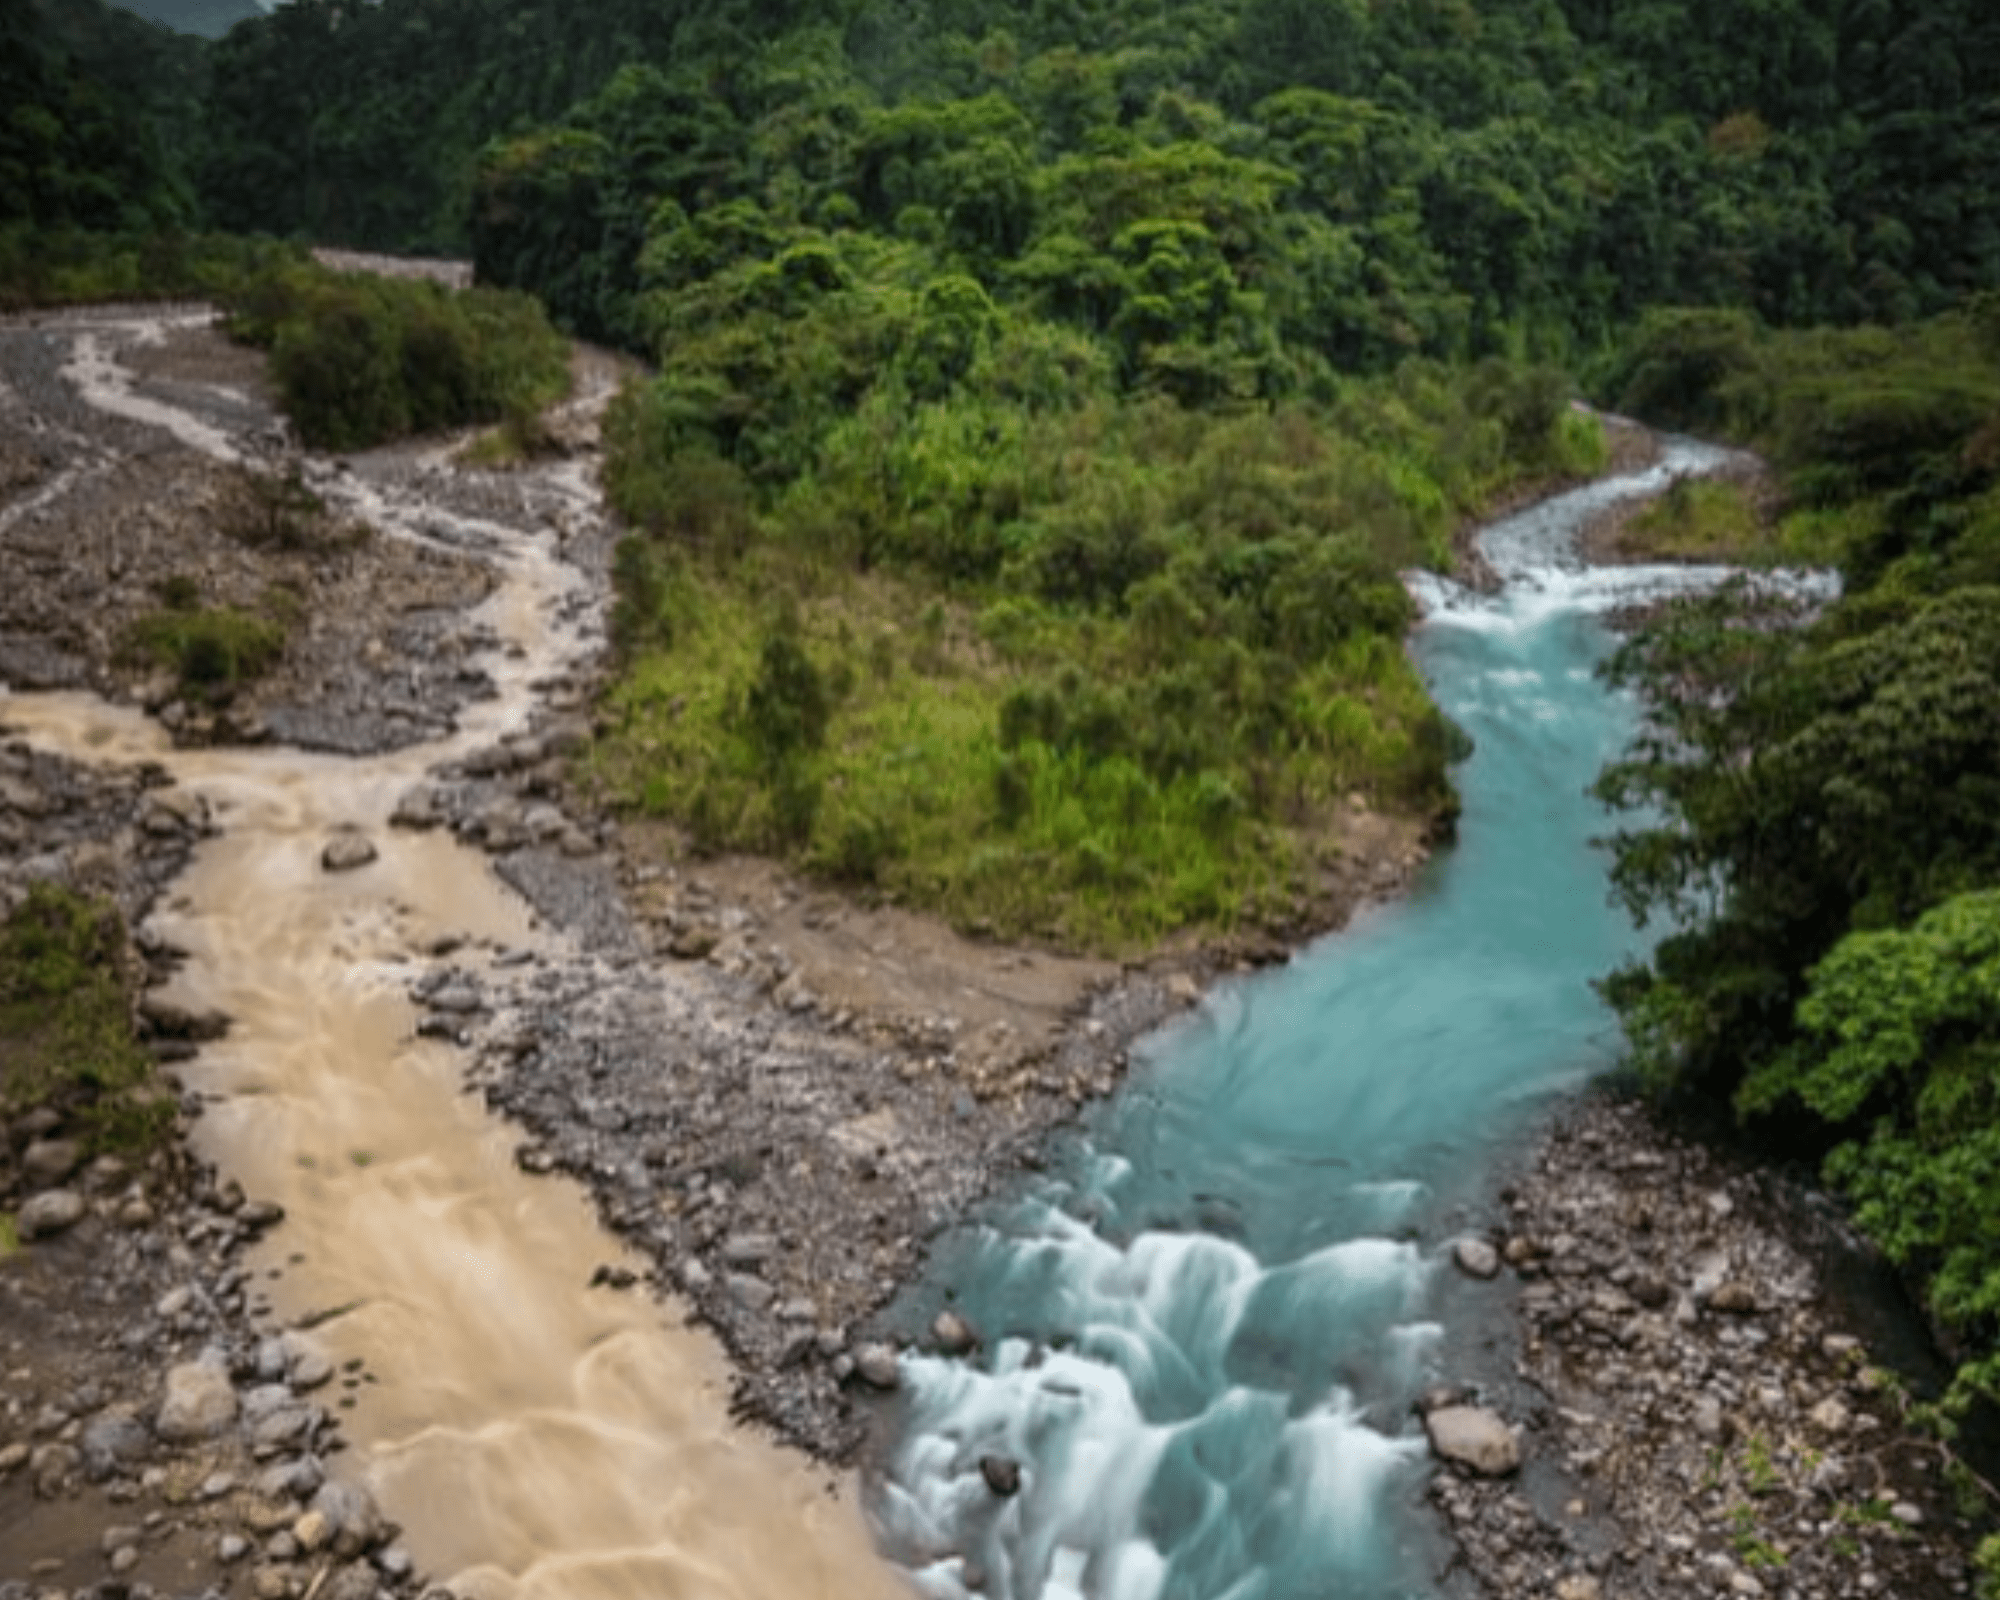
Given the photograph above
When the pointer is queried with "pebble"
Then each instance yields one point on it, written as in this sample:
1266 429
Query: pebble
877 1366
955 1336
312 1531
1473 1438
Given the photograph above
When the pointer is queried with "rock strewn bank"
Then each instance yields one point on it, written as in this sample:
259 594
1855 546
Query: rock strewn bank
1696 1414
781 1157
157 1435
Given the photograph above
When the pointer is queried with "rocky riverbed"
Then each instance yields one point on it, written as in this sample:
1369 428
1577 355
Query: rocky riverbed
158 1435
777 1096
1685 1404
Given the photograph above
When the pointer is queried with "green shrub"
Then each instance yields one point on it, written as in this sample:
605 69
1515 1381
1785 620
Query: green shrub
361 360
65 1020
211 651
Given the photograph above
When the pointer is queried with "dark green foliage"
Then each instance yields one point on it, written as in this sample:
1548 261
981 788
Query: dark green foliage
785 713
99 118
69 267
211 651
1826 800
66 1024
360 360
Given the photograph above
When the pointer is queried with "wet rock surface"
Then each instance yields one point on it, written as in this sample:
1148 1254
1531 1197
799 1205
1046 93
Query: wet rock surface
1697 1413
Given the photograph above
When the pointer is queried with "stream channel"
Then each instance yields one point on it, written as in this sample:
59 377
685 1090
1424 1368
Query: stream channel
1205 1325
537 1440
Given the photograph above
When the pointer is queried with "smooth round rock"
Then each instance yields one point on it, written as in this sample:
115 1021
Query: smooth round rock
200 1403
878 1367
954 1335
346 852
1475 1439
51 1212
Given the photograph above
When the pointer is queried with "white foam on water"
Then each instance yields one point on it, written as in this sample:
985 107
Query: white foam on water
1342 1470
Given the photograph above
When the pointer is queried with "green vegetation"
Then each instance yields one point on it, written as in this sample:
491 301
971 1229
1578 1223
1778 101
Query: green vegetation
102 118
359 360
1050 395
1705 519
70 266
66 1021
1823 799
1093 670
211 650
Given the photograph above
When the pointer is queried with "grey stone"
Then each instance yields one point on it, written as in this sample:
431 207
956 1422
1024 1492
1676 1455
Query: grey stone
1475 1439
357 1525
350 1583
282 1429
47 1162
753 1294
50 1212
199 1404
297 1479
1476 1258
461 998
954 1335
749 1249
877 1365
112 1440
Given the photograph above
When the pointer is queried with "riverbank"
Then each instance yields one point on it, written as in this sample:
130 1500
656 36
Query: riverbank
1695 1394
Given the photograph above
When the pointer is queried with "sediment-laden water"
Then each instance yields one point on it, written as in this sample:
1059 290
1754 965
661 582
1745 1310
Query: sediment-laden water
538 1439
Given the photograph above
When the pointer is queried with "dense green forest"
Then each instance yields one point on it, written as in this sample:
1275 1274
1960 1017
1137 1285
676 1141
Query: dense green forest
1048 396
1822 792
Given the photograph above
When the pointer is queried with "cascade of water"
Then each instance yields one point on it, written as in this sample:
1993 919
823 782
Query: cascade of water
1197 1416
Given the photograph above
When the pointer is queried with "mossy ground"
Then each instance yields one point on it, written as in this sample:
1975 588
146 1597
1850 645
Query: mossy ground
66 1036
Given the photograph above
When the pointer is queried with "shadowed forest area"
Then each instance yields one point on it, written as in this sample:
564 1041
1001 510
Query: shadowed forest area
1047 397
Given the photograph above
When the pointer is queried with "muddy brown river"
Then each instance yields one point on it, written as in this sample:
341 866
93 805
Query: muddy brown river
539 1439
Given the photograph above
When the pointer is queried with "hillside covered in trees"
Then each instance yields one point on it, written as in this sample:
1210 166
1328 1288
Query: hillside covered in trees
1049 395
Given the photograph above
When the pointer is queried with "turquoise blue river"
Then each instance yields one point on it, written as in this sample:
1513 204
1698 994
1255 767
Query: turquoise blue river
1205 1326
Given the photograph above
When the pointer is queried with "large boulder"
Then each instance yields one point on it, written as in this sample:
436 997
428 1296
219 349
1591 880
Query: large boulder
1475 1439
